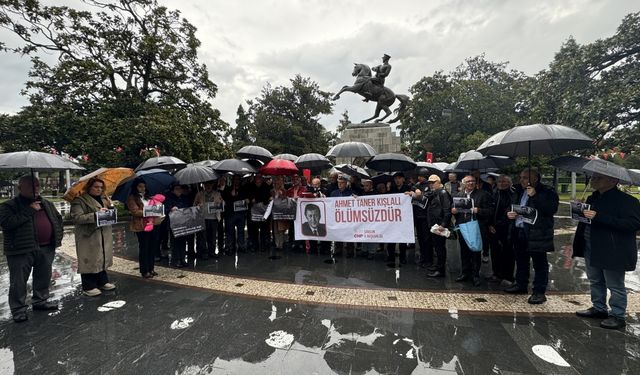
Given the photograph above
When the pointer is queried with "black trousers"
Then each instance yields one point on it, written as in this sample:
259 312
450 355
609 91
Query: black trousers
20 267
93 280
439 244
210 235
178 249
470 260
422 232
502 254
391 251
221 233
147 244
259 235
540 264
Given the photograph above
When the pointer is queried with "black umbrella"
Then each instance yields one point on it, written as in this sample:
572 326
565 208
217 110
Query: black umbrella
382 178
235 166
390 162
474 160
290 157
161 162
599 166
432 168
352 170
156 181
351 150
254 152
313 161
195 174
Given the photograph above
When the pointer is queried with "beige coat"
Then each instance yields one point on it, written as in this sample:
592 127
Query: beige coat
94 245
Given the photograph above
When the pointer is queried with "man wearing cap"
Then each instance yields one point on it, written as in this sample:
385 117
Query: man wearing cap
382 71
438 213
398 187
609 248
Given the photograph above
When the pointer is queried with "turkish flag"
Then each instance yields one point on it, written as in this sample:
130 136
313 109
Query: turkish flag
429 157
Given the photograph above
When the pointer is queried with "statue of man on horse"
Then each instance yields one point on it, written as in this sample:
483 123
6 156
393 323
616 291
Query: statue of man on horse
372 88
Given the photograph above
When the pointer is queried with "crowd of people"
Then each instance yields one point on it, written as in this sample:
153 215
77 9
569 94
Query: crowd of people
33 229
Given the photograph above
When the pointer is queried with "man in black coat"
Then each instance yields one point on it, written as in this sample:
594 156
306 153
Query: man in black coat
438 213
472 260
32 229
419 203
500 231
609 248
399 186
533 241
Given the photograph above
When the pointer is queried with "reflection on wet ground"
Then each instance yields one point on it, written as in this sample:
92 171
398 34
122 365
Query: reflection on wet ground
150 327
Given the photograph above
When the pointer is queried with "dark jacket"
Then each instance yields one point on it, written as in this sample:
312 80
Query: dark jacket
438 207
241 194
613 231
502 201
482 200
417 203
347 192
18 225
540 235
396 190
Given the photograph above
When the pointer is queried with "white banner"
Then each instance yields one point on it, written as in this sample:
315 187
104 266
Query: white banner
373 218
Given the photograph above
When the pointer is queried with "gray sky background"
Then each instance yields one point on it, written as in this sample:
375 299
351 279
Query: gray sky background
246 44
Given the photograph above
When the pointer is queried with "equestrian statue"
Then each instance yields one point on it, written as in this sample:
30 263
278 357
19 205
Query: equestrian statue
373 89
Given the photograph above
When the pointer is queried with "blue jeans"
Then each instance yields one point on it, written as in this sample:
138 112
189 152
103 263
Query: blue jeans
601 279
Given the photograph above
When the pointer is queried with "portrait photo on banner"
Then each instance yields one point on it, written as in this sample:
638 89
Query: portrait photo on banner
314 219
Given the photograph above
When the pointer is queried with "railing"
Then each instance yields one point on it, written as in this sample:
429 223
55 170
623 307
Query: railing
63 207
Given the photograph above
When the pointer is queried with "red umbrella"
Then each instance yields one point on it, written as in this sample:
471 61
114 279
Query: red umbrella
279 167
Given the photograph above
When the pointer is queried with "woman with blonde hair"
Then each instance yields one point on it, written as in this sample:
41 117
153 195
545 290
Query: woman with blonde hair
94 244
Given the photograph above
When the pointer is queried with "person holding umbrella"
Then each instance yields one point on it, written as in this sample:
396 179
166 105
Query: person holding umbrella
532 241
32 229
608 245
94 244
147 241
203 199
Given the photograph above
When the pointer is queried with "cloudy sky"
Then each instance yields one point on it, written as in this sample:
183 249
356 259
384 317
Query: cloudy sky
246 44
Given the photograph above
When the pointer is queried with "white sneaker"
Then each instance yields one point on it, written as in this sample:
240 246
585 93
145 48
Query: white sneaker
92 292
108 286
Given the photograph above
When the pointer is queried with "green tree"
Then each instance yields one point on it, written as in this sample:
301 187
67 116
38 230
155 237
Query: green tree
126 78
241 134
286 119
452 113
594 87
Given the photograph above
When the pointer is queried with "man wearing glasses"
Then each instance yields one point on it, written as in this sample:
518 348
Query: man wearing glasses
481 210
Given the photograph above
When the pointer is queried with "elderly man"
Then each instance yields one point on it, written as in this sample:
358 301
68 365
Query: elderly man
502 256
452 186
32 230
399 186
471 260
419 203
609 248
533 241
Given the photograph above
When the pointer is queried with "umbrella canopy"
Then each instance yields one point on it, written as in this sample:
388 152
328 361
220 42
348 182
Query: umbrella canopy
599 166
157 181
431 167
440 165
279 167
351 150
35 161
535 139
111 177
195 174
161 162
254 152
352 170
390 162
290 157
452 167
382 178
472 160
205 163
235 166
313 161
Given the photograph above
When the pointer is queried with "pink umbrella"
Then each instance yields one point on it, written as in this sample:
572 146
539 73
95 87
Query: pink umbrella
279 167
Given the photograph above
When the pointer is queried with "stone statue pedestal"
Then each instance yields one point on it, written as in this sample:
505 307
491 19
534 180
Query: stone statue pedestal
377 134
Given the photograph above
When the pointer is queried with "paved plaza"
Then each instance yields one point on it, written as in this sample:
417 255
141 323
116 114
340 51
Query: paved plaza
300 314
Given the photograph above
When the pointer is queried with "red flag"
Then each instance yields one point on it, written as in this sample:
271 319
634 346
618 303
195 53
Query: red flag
429 157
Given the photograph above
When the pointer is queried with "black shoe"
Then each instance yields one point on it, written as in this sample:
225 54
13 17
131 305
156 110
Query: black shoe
435 274
516 289
613 322
476 281
591 312
46 306
493 279
20 317
537 299
462 278
153 273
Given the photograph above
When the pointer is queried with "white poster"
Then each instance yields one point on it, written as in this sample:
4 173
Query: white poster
105 218
373 218
577 211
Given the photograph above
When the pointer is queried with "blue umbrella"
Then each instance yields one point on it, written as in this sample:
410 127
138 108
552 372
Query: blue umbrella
157 181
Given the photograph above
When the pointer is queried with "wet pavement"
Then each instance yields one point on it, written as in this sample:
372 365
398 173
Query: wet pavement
158 327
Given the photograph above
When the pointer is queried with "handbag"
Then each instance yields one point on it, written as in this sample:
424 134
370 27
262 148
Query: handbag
470 232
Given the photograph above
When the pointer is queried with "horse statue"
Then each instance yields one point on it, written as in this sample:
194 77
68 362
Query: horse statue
382 95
